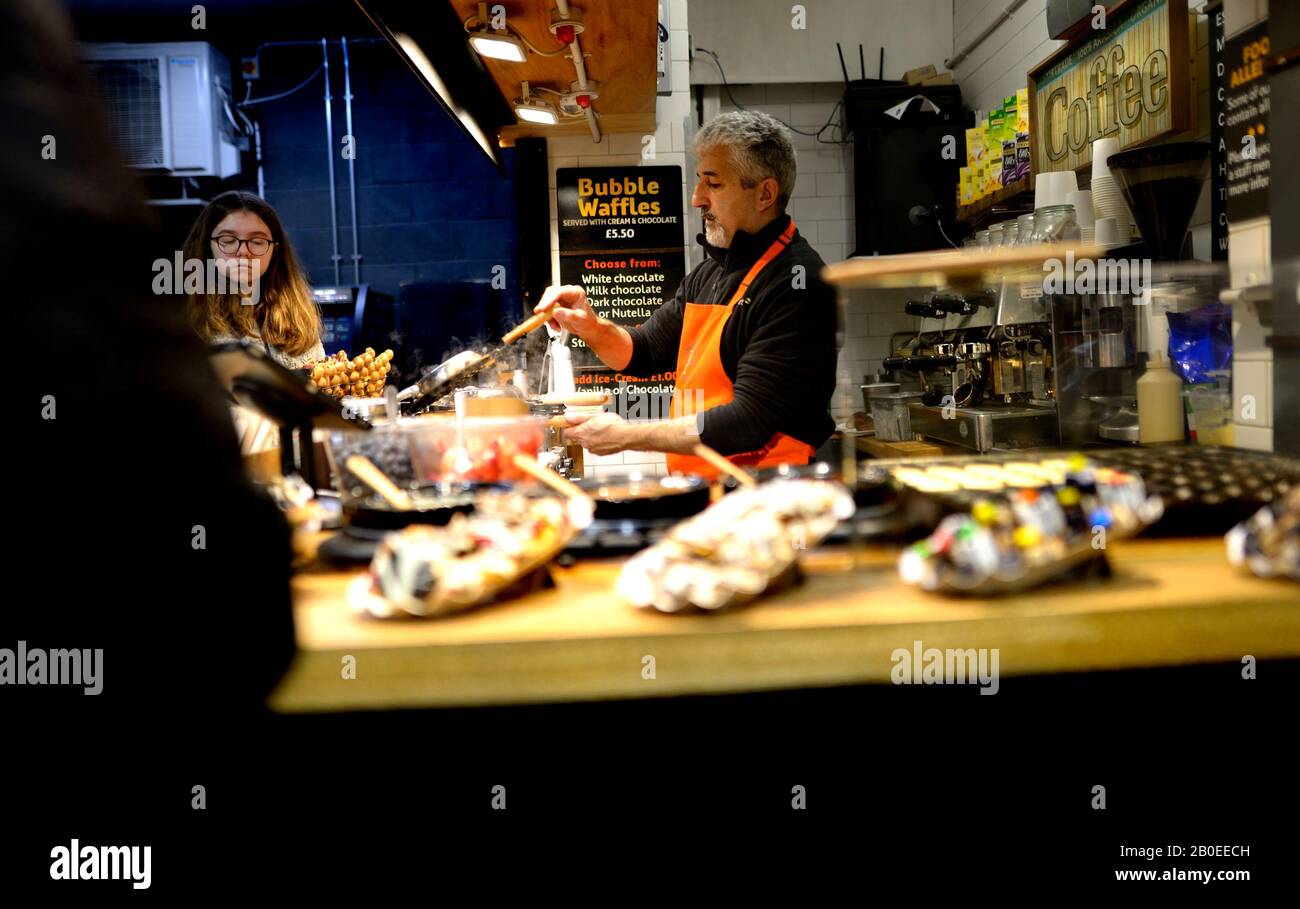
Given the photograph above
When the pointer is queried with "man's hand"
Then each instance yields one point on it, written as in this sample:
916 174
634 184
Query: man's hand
571 310
600 434
607 433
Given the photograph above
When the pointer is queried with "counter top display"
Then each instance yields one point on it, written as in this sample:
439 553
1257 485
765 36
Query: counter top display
1167 603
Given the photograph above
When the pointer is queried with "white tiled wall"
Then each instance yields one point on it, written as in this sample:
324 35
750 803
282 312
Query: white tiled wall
673 120
871 319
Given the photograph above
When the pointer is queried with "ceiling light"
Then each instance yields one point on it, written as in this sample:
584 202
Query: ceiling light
497 45
493 43
531 109
536 115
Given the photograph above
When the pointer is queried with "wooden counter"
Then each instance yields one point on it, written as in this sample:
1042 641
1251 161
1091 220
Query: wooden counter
1169 603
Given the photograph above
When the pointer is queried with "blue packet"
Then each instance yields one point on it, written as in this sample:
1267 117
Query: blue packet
1200 342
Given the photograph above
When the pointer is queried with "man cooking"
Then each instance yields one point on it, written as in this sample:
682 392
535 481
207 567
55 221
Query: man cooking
751 330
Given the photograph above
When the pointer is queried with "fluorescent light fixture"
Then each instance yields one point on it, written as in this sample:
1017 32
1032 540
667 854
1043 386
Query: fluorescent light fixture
535 110
536 115
497 46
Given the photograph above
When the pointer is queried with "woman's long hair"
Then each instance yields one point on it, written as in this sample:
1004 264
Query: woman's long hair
285 315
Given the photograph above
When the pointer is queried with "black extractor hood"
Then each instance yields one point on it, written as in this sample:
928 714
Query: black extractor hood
430 37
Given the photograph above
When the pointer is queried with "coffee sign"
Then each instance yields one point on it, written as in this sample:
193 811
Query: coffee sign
1130 80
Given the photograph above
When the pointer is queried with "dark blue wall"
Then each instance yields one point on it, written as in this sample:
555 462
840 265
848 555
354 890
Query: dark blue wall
430 206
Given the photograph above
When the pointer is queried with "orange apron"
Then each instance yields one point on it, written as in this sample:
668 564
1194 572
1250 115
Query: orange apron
699 366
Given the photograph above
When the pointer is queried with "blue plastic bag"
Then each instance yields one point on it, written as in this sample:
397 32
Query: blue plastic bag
1200 342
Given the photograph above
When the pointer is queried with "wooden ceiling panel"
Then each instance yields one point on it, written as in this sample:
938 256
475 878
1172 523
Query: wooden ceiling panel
620 46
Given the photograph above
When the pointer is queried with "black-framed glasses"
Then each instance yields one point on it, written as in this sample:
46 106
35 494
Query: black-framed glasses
229 244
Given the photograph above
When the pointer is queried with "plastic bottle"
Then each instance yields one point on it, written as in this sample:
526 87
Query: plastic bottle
1160 402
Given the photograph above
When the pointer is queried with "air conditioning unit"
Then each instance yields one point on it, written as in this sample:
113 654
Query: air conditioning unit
169 105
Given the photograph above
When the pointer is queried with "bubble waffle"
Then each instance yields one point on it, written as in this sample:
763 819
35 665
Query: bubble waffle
362 376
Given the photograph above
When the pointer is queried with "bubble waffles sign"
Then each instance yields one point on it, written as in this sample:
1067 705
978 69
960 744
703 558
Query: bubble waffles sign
621 239
1130 79
619 208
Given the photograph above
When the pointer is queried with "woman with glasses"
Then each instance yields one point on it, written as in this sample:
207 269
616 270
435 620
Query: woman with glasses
241 235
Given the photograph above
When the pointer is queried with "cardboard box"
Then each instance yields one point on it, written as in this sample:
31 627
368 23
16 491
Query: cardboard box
1023 156
1008 173
921 73
1022 111
990 176
976 145
941 79
994 133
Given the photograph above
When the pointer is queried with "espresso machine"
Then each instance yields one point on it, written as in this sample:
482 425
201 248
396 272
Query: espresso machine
984 358
1009 366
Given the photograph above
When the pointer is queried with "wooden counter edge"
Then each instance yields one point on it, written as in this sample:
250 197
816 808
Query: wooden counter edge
585 669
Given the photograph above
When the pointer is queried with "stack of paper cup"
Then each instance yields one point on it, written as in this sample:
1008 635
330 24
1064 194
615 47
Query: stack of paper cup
1081 199
1107 233
1107 199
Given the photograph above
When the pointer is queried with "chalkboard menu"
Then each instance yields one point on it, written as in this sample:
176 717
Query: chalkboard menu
620 231
1245 123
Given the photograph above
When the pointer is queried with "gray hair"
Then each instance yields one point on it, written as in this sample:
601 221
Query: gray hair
760 148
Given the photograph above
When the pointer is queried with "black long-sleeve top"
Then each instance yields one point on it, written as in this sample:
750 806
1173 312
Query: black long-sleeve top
778 349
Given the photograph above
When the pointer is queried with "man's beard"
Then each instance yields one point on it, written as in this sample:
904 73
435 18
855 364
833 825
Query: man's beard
715 233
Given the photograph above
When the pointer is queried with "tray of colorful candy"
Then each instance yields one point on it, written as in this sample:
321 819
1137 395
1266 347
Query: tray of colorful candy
1014 539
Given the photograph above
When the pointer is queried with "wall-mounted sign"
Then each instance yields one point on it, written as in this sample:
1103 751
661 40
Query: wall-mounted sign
603 208
1245 123
1218 147
1131 80
621 239
625 288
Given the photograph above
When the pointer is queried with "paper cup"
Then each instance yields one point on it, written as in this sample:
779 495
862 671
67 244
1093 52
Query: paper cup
1081 199
1042 190
1102 149
1106 232
1064 183
1108 201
